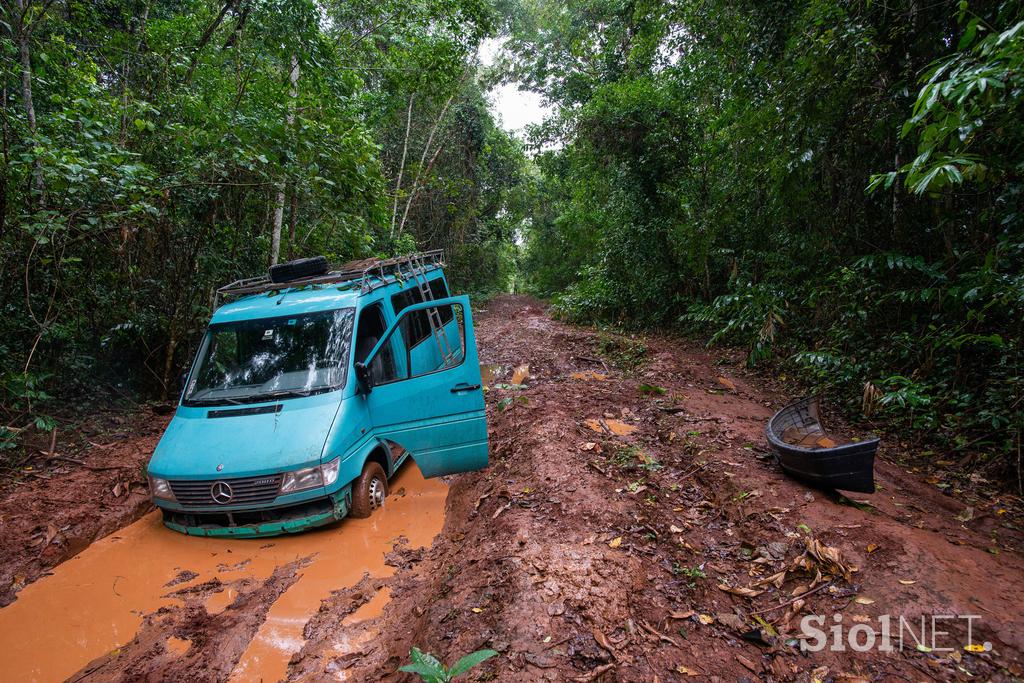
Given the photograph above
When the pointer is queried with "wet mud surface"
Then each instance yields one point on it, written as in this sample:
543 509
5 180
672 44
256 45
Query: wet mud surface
632 526
93 486
624 509
146 602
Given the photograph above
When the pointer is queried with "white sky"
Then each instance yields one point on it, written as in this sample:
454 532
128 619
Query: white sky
515 108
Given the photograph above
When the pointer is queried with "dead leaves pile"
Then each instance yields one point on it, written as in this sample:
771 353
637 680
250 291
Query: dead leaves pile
824 562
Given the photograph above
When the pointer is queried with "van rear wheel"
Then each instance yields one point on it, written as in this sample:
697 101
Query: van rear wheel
369 491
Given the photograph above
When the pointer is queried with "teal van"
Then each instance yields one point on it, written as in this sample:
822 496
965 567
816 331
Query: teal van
310 389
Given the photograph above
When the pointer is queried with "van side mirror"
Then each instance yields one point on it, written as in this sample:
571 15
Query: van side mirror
363 377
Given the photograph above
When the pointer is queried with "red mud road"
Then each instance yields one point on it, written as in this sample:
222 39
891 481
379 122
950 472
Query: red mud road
622 533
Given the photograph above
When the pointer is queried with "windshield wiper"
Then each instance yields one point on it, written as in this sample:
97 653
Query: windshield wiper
215 401
285 393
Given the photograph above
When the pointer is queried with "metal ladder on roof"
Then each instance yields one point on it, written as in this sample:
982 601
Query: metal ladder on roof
418 270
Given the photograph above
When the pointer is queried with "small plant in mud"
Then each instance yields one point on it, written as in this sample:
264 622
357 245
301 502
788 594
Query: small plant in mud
430 669
692 573
625 353
507 402
631 457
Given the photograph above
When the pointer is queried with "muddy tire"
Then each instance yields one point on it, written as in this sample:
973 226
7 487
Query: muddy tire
369 491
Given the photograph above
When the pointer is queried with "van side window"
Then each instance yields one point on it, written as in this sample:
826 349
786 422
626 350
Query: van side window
440 291
418 324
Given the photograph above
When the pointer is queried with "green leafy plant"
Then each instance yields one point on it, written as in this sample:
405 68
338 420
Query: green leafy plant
623 351
430 669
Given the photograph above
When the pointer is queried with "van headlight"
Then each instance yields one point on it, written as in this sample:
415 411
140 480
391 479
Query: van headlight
160 488
311 477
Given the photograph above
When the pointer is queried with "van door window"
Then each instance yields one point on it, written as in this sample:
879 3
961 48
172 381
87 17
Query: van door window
419 324
368 333
446 350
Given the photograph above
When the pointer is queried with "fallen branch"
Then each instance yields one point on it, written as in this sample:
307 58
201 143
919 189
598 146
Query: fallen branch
595 674
661 636
790 602
558 642
95 468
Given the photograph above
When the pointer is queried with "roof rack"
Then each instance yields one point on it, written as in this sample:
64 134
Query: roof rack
370 273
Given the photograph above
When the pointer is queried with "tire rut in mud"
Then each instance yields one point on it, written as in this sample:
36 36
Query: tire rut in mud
215 642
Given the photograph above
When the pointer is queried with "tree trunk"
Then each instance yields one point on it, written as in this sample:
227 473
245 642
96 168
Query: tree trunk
401 166
275 238
293 92
22 36
292 218
205 39
423 159
6 163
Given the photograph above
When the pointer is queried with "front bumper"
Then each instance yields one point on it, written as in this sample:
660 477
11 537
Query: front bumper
262 522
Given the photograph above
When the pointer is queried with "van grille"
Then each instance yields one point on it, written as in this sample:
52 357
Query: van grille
245 491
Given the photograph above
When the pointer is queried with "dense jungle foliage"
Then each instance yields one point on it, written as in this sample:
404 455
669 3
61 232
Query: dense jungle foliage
836 185
153 150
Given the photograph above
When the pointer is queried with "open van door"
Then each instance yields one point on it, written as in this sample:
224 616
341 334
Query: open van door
426 395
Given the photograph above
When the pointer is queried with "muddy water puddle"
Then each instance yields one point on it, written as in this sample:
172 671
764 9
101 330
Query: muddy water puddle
493 373
95 602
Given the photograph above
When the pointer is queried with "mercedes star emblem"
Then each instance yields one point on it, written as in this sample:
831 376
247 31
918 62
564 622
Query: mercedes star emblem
221 493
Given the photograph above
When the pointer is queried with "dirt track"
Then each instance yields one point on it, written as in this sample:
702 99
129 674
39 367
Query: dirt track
585 554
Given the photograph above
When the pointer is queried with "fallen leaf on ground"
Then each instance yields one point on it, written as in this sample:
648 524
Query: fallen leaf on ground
907 582
830 558
705 619
740 590
872 547
685 671
729 619
602 640
863 600
967 515
974 647
615 542
620 428
589 375
675 530
683 615
477 610
747 663
727 383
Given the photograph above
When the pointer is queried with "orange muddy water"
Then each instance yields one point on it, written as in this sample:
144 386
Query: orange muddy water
94 602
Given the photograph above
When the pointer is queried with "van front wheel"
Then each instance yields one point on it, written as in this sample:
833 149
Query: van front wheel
369 491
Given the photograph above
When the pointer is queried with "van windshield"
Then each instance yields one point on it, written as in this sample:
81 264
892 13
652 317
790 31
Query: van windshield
270 358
